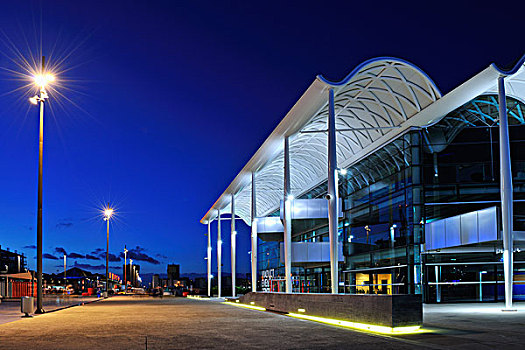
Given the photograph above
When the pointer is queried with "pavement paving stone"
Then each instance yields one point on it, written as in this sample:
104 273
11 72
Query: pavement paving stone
126 322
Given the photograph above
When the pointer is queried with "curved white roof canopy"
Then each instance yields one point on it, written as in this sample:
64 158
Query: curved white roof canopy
381 99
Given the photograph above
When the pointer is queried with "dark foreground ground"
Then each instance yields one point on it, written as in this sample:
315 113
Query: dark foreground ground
176 323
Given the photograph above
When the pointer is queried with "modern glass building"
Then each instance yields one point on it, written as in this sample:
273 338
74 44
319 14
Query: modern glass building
379 184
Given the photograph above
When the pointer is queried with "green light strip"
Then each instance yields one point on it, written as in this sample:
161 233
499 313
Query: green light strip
361 326
253 307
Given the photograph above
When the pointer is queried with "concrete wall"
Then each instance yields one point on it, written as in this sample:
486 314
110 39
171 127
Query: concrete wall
383 310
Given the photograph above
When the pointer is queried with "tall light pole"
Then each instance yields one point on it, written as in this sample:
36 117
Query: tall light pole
131 271
41 80
108 212
125 268
65 282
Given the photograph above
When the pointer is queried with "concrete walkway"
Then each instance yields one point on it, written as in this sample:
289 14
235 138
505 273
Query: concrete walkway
125 322
474 326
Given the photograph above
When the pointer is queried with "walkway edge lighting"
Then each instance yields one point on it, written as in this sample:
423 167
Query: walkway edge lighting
362 326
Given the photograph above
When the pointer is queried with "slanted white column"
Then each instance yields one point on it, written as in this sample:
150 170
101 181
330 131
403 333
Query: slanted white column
219 254
254 235
333 196
209 258
233 235
287 199
506 193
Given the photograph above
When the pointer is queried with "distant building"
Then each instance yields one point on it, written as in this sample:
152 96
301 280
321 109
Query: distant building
201 283
76 279
155 281
15 280
11 262
173 273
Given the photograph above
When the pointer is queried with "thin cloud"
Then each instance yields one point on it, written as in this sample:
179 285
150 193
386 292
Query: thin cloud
65 224
92 257
138 254
60 250
89 266
113 258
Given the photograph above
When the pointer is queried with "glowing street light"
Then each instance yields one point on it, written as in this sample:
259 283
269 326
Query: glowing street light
125 268
130 272
65 279
41 81
108 213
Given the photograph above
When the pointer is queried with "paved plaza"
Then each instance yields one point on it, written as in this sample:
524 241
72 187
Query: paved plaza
127 322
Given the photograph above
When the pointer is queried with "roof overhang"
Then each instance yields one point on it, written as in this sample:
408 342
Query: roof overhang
309 110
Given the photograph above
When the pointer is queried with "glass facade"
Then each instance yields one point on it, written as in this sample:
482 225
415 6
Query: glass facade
426 174
462 175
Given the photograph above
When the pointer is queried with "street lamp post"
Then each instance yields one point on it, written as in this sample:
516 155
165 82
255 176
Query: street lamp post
131 271
108 212
41 80
125 268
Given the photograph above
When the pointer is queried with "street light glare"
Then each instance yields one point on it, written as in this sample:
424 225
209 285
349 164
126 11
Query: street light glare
33 100
43 79
108 212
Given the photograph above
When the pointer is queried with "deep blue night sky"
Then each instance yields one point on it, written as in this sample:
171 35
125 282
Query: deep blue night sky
170 99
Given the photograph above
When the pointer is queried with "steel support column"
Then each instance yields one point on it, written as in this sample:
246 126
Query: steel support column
333 196
209 258
233 235
254 236
506 193
219 254
287 200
